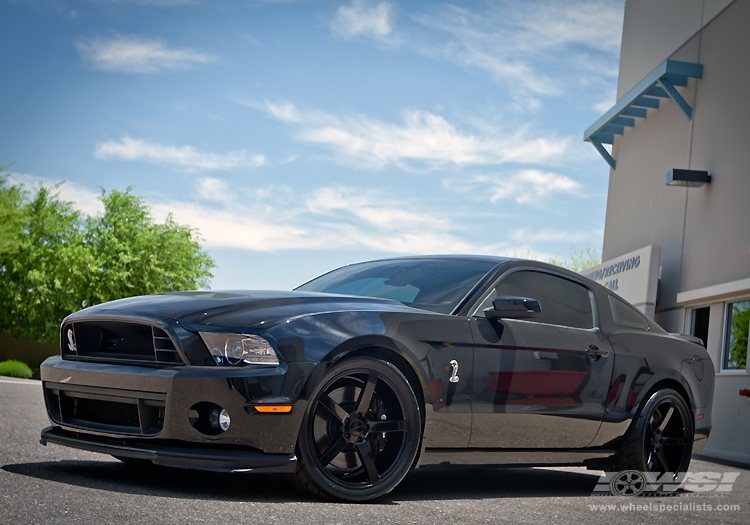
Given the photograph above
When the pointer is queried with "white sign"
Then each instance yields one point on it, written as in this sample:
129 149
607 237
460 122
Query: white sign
633 276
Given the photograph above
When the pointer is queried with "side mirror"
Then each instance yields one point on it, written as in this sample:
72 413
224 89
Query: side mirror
513 308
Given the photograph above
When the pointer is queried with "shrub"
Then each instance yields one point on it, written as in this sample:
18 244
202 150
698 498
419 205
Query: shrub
13 368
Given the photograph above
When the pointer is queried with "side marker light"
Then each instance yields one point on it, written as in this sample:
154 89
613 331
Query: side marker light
273 409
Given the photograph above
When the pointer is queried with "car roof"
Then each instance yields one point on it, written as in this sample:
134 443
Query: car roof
460 257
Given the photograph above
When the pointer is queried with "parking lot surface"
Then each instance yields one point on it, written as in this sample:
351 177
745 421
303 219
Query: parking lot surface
60 485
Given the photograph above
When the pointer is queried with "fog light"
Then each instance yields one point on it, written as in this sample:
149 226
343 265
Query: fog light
224 420
219 419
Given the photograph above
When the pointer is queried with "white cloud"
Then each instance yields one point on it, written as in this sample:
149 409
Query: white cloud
224 227
606 102
280 218
213 189
384 223
83 199
134 54
548 235
284 111
156 3
325 218
362 18
423 139
475 43
182 158
527 46
548 24
527 186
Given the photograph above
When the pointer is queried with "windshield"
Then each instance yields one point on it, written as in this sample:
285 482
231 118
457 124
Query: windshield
437 285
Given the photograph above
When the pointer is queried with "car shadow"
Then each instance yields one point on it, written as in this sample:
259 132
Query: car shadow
162 481
485 482
420 485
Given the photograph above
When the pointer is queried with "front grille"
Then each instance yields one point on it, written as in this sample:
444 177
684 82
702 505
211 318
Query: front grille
106 410
114 341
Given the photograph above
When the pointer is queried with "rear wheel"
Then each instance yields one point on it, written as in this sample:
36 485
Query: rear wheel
360 433
660 440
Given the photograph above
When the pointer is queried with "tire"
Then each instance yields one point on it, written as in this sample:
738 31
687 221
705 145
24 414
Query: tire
660 439
360 433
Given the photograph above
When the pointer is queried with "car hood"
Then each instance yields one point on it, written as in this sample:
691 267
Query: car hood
233 310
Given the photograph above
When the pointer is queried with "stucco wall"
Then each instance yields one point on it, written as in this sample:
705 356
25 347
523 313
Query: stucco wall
654 29
641 210
704 233
717 223
730 416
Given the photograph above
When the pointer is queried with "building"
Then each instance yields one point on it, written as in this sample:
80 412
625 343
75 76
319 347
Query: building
677 230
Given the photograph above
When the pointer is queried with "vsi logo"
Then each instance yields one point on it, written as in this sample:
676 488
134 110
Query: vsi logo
627 483
635 483
72 341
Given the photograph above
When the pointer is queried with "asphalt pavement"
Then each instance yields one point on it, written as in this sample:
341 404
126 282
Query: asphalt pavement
56 484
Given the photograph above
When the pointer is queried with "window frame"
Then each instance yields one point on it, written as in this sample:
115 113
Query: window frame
476 311
726 335
613 299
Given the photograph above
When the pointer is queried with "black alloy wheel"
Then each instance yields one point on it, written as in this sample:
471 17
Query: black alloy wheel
661 439
360 433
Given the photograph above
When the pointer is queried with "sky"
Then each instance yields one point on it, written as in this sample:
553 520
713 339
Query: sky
300 136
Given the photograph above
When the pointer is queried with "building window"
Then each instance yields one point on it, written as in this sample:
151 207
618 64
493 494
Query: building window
699 323
735 339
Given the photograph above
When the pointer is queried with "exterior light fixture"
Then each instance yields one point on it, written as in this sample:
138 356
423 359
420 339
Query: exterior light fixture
691 178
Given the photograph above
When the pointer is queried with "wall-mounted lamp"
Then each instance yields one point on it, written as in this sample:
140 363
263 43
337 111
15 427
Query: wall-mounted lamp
691 178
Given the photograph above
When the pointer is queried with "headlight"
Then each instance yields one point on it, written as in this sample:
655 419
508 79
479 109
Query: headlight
235 349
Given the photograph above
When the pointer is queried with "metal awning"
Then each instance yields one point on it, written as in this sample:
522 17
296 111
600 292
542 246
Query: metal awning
661 83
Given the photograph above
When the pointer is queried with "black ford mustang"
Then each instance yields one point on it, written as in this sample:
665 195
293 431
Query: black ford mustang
375 368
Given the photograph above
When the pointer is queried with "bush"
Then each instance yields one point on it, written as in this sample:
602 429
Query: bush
13 368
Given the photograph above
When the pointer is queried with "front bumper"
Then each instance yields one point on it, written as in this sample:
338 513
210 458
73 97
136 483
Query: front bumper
150 413
175 455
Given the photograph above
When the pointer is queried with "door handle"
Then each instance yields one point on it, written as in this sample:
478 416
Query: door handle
596 353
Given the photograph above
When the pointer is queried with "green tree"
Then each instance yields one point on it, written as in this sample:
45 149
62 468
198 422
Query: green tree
11 216
739 334
43 277
580 259
135 256
64 261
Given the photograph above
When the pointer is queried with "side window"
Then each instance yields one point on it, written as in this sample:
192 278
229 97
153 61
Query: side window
625 315
563 302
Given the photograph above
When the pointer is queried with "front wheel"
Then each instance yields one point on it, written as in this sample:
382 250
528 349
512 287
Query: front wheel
360 433
660 440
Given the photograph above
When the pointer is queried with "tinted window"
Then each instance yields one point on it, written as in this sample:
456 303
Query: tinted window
431 284
563 302
626 315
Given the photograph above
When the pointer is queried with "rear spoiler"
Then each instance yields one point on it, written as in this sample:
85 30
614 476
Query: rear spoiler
689 338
